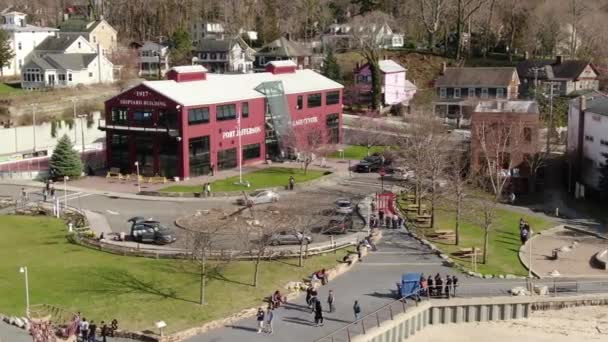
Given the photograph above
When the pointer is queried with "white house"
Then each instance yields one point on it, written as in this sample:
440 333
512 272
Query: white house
345 35
152 56
201 29
23 39
224 56
588 138
66 70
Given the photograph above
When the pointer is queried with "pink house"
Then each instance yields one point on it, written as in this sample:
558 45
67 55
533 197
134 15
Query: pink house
395 86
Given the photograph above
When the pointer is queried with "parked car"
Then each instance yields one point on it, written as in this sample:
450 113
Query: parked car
259 197
344 206
150 231
372 163
289 238
338 224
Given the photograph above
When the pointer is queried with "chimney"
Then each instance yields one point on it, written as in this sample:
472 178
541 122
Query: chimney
559 59
443 67
582 101
66 16
101 17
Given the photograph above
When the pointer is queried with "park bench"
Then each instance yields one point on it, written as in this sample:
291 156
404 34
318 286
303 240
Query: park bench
114 173
467 252
133 177
443 234
157 180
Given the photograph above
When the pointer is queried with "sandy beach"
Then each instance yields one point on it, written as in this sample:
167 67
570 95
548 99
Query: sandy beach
580 324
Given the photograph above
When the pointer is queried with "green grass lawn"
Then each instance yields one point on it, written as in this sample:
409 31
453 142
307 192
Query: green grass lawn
265 178
6 89
136 291
504 238
357 152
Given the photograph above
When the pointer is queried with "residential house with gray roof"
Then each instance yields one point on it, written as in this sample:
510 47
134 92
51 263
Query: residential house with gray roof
224 56
567 77
459 90
284 49
96 31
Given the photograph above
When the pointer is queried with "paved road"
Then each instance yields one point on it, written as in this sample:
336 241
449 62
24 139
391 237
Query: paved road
371 282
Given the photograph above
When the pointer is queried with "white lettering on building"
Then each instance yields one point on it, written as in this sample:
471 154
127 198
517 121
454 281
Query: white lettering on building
244 131
148 103
305 121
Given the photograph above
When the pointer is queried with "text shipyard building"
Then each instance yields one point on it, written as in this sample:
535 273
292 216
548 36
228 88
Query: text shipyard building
187 124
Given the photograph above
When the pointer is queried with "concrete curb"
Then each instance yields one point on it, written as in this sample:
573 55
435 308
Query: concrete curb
523 248
584 231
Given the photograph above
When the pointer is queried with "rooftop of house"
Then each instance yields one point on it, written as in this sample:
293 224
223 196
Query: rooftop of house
215 45
242 86
189 68
596 103
476 77
284 47
552 69
389 66
81 24
514 106
57 43
68 61
17 27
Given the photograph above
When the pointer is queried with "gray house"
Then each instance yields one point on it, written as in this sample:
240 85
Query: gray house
567 77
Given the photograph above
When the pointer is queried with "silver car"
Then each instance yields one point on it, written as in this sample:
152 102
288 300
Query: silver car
259 197
289 238
344 206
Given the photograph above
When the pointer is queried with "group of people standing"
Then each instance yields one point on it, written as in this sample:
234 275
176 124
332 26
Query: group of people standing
438 286
87 331
49 190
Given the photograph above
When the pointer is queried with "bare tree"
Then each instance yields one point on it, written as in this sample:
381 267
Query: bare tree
485 216
369 46
306 141
458 176
435 159
431 13
371 131
464 10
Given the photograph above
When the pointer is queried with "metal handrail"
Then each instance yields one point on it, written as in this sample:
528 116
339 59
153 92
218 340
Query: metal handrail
361 320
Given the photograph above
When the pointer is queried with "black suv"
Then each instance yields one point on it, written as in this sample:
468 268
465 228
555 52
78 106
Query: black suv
372 163
150 231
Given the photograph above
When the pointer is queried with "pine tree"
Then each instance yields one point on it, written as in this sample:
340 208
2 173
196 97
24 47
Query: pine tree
603 183
331 68
65 161
181 46
6 52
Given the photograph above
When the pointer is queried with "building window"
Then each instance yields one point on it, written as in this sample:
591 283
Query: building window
61 77
94 39
226 159
79 45
604 142
19 45
251 151
203 55
120 152
456 93
212 56
222 56
528 134
70 77
226 112
484 93
500 93
443 93
200 158
589 138
471 92
300 102
198 116
119 115
90 74
314 100
332 98
245 109
333 128
142 116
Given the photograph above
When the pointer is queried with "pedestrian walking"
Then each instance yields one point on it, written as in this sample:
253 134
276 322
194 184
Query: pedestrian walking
47 186
260 319
381 216
524 235
114 325
356 310
308 295
438 285
395 222
23 194
104 331
269 320
52 191
84 329
318 313
208 189
45 194
359 255
292 182
92 331
330 301
454 284
212 168
431 285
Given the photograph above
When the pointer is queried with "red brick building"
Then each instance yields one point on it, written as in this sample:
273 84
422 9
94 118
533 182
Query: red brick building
186 125
506 133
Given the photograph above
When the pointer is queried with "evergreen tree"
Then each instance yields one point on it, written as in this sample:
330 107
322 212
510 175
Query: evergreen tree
181 46
6 52
65 161
366 6
603 184
331 68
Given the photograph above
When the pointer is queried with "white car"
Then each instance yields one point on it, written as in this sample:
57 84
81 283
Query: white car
344 206
259 197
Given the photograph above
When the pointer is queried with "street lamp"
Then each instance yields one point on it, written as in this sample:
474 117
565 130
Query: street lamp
23 269
137 173
382 174
34 122
65 192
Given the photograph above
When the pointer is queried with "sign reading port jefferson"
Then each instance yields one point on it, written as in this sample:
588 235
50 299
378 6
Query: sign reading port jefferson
243 132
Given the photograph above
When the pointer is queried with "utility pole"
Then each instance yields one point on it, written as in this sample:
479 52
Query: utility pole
34 123
74 100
